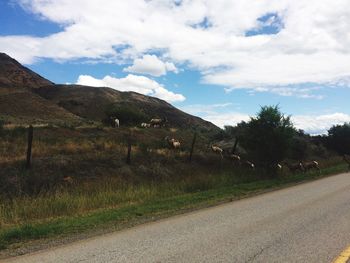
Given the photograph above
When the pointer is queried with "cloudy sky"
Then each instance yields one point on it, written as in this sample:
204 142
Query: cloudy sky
218 59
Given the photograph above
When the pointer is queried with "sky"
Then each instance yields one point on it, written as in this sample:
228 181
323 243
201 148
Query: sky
217 59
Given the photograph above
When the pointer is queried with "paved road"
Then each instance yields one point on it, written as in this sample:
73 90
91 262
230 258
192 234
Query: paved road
305 223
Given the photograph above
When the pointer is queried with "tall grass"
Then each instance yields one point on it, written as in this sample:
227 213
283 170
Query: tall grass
95 159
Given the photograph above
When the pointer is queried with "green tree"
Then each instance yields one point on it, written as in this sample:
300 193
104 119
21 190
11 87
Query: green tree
339 138
267 137
127 114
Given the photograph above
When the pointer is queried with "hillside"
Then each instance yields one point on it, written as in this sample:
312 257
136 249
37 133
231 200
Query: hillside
24 107
14 75
91 102
26 97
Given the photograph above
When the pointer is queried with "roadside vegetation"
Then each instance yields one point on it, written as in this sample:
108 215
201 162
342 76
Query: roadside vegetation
79 178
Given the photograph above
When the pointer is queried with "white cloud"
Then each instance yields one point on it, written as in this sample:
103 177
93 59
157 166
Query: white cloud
134 83
151 65
313 46
312 124
319 124
197 109
223 119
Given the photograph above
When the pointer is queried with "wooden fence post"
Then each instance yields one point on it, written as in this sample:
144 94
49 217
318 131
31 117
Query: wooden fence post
235 146
192 146
29 147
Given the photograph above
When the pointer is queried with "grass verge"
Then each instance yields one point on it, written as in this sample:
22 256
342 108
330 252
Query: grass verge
132 214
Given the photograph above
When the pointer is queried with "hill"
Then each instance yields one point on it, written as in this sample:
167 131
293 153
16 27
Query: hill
26 97
91 103
14 75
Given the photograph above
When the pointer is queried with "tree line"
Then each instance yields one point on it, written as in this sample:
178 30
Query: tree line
270 138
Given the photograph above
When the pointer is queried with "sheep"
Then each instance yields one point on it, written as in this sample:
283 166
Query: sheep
115 122
310 165
235 158
173 143
158 122
295 167
217 150
145 125
249 165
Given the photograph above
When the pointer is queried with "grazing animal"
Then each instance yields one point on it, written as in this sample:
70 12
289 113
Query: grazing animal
145 125
217 150
115 122
249 165
235 158
293 167
158 122
173 143
310 165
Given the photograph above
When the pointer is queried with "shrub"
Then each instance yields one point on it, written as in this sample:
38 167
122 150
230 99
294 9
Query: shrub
126 114
267 137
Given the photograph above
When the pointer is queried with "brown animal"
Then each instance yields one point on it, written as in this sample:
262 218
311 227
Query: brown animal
235 158
173 143
294 167
310 165
217 150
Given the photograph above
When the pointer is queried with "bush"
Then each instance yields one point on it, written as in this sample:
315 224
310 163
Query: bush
267 137
126 114
339 138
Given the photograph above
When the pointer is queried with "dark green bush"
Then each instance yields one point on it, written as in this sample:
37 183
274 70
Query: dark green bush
126 114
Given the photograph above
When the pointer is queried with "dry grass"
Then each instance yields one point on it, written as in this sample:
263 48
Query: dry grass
95 159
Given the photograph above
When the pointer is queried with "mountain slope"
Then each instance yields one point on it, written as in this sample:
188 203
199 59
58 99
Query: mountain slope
91 103
26 97
14 75
24 107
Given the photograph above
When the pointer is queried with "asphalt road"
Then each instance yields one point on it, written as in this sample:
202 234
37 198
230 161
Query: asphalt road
304 223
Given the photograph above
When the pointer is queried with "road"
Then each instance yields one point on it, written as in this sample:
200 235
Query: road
305 223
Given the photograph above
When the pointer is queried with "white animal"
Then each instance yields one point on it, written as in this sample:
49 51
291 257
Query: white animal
217 150
173 143
158 122
145 125
115 122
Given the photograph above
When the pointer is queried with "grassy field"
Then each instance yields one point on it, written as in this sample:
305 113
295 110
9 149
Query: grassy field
105 191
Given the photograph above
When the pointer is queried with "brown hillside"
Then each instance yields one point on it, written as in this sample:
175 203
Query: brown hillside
27 97
24 107
91 102
14 75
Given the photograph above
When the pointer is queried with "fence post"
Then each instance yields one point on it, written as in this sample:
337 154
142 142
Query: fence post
128 156
192 146
235 146
29 147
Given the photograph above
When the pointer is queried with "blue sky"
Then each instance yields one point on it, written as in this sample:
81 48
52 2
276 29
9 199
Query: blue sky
220 60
